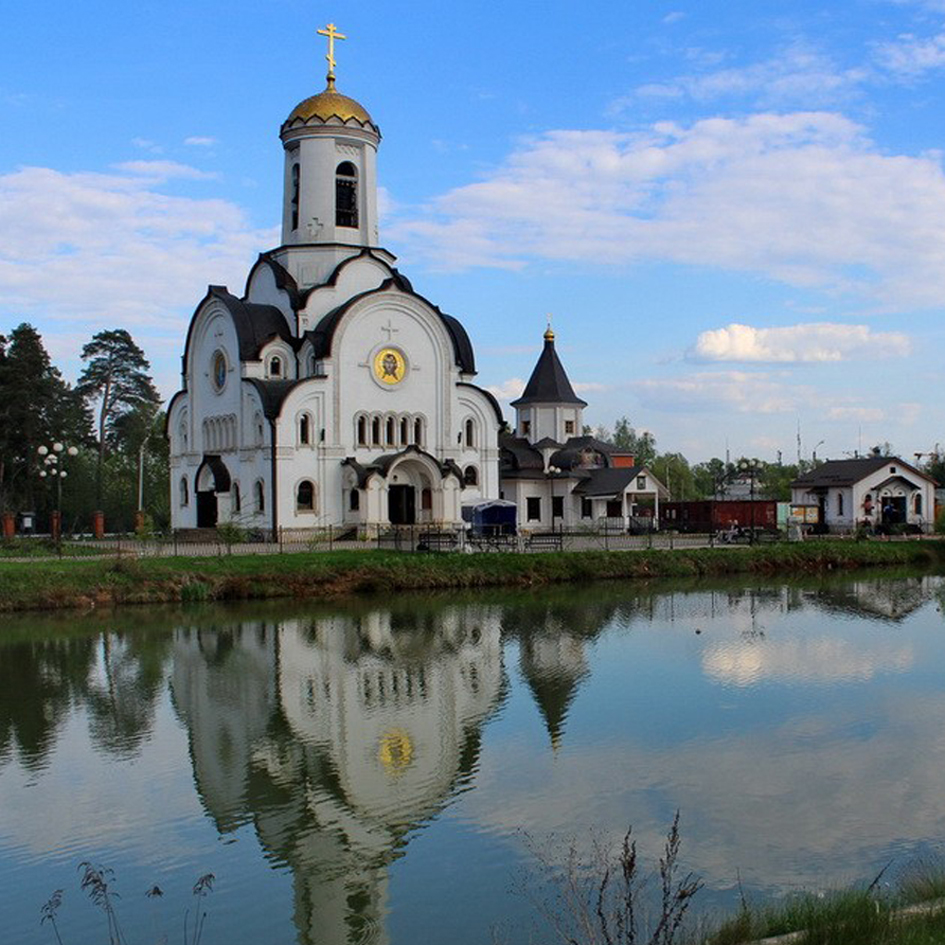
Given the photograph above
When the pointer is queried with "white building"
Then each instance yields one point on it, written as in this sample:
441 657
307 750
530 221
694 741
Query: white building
558 476
329 392
872 491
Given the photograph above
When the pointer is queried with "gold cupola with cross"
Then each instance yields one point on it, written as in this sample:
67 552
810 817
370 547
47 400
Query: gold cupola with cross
330 185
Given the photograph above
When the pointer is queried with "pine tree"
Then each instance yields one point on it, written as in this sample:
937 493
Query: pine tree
116 374
36 407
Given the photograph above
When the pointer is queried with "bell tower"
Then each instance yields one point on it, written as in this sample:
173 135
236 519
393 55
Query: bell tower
330 176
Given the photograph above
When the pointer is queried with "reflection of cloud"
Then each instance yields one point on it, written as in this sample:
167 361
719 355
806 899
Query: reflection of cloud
775 803
823 660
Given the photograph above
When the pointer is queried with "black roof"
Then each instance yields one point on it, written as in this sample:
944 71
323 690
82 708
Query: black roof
255 324
517 455
572 453
549 382
272 394
847 472
324 332
607 480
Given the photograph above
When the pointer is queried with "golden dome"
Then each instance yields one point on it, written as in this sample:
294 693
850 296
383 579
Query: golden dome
327 105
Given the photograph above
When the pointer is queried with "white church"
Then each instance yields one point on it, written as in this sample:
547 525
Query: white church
329 392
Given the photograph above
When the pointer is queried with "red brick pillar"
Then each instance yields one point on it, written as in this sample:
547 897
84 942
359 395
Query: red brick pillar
9 525
98 524
55 525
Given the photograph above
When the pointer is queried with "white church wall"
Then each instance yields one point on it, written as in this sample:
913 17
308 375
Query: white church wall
262 290
359 275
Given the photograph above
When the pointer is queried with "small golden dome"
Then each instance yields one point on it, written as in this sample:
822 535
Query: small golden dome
549 334
327 105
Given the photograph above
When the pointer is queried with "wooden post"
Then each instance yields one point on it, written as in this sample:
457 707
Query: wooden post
98 525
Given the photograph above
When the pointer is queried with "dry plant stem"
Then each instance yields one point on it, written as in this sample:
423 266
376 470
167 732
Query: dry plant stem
48 912
95 882
588 906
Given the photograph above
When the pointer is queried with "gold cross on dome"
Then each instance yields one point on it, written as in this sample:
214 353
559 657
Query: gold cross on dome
332 35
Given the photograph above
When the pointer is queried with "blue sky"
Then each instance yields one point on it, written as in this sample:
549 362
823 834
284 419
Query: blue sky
735 211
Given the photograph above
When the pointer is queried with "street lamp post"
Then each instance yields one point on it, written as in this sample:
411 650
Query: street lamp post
552 472
53 469
750 466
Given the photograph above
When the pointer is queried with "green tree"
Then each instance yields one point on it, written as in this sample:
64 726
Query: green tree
641 444
36 407
673 470
116 375
709 477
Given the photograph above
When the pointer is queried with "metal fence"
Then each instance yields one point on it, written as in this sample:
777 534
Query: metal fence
407 538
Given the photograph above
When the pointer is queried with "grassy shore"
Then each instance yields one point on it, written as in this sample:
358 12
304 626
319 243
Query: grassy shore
86 584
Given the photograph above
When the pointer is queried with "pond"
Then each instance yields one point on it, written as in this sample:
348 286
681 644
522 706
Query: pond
381 771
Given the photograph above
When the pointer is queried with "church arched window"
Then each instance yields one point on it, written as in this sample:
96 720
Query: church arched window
295 196
346 195
259 496
355 502
471 476
376 431
184 493
469 433
305 497
418 431
182 436
362 431
275 367
404 431
390 431
305 429
259 428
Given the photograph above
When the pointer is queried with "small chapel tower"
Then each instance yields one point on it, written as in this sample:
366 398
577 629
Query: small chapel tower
548 407
330 179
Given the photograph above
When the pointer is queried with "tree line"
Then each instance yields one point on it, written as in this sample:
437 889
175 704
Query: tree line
112 418
711 478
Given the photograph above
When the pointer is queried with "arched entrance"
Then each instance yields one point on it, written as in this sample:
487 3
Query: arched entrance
411 485
212 478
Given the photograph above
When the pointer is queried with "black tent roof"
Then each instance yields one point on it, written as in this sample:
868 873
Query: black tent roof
549 382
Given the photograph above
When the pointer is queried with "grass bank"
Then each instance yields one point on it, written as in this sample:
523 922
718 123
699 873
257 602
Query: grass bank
48 585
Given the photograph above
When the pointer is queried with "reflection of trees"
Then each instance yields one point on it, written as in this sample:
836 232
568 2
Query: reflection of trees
39 684
337 736
121 705
117 677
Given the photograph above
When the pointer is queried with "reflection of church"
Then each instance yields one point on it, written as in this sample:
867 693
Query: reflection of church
329 392
336 736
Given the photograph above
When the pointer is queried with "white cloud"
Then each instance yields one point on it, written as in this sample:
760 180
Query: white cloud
160 171
587 386
739 391
798 75
146 144
909 56
200 141
803 198
859 414
817 341
507 390
96 250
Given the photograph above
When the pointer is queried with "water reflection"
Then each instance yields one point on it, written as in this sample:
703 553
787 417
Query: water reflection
772 716
337 736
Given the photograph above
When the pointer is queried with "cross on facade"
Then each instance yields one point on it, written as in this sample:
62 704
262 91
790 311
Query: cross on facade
332 35
389 328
